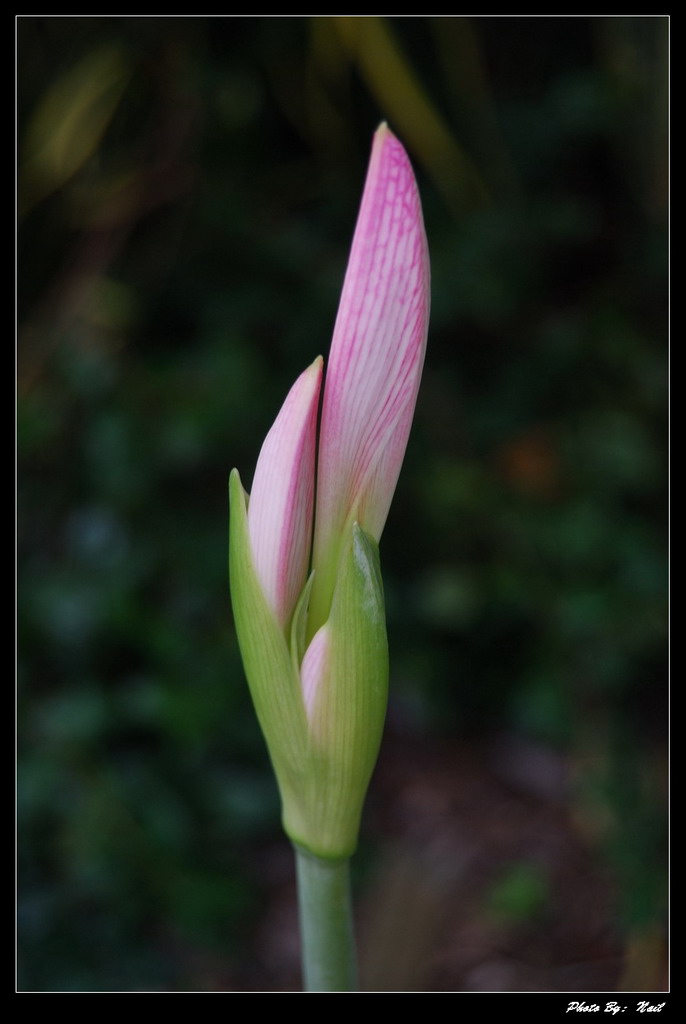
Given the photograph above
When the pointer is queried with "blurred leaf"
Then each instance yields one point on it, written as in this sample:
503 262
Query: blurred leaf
70 120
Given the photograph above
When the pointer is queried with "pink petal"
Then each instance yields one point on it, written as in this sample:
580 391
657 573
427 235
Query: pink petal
282 497
376 360
314 669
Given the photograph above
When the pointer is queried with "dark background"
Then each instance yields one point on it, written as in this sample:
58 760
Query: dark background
188 191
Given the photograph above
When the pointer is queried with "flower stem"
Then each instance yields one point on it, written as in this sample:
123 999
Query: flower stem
326 925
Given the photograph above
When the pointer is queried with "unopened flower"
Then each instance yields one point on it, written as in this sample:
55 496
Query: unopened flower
308 605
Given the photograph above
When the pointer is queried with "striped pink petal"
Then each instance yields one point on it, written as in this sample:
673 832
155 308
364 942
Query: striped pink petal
376 360
281 503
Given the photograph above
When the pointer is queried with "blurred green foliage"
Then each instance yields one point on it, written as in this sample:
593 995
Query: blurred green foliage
188 189
521 893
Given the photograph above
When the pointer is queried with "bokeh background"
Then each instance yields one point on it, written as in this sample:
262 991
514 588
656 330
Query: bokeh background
187 193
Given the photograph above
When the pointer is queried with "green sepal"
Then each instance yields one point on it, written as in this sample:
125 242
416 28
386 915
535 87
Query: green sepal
347 717
272 678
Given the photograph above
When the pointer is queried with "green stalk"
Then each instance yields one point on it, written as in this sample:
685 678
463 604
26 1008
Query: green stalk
326 924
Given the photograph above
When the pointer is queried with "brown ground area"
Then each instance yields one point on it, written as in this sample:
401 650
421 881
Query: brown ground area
481 881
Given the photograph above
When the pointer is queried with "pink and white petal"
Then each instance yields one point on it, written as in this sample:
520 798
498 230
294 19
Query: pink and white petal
313 670
280 509
376 360
374 497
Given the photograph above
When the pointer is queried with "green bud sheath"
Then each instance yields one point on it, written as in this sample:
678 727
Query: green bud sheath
274 684
349 707
323 757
